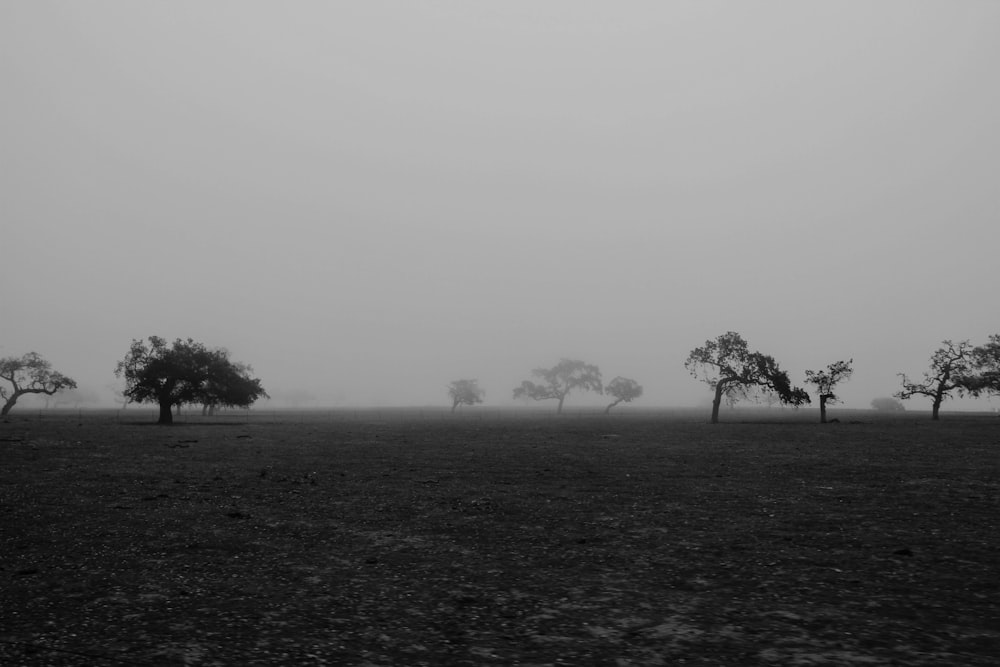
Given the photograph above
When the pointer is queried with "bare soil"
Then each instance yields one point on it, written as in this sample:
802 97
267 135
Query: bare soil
426 539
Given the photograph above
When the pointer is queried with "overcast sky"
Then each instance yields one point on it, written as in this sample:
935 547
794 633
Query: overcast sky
367 200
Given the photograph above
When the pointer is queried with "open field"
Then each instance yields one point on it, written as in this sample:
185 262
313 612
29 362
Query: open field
380 538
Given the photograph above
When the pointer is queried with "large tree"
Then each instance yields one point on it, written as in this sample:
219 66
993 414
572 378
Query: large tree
985 377
29 374
557 382
465 392
624 390
950 370
826 381
731 369
185 372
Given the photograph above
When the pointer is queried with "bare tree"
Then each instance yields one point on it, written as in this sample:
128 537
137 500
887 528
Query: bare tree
560 380
727 365
826 380
465 392
625 390
29 374
951 368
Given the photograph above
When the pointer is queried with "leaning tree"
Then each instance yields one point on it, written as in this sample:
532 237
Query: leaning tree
185 372
29 374
557 382
732 370
826 380
950 372
465 392
624 390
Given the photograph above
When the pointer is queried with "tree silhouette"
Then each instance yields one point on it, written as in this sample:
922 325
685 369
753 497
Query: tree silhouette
186 372
950 371
29 374
727 365
465 392
625 390
826 380
985 378
557 382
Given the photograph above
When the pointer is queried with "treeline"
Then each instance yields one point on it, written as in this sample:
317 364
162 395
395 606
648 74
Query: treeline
187 372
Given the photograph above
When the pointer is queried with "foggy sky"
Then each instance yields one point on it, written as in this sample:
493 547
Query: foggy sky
368 200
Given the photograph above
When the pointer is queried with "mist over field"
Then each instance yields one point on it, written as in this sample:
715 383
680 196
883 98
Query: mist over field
367 201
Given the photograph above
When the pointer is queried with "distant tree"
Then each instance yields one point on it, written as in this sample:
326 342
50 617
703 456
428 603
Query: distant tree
185 372
950 371
297 398
465 392
29 374
985 376
75 397
887 404
624 390
826 380
557 382
118 392
727 365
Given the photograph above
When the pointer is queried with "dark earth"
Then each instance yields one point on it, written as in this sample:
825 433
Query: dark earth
421 538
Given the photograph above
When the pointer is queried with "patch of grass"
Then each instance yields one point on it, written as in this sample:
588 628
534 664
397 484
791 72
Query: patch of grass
389 539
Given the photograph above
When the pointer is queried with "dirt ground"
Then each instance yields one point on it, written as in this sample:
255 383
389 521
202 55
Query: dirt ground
427 539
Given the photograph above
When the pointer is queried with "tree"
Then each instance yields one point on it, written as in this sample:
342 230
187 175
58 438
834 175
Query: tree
985 378
950 371
827 380
185 372
119 394
727 365
560 380
228 385
74 397
887 404
465 392
29 374
624 390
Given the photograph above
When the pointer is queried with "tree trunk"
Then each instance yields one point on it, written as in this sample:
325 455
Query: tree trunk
607 410
9 404
559 409
166 414
716 402
822 408
935 408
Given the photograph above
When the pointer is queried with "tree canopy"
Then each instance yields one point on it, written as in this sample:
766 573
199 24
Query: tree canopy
731 369
557 382
29 374
624 390
985 376
826 381
185 372
950 372
465 392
